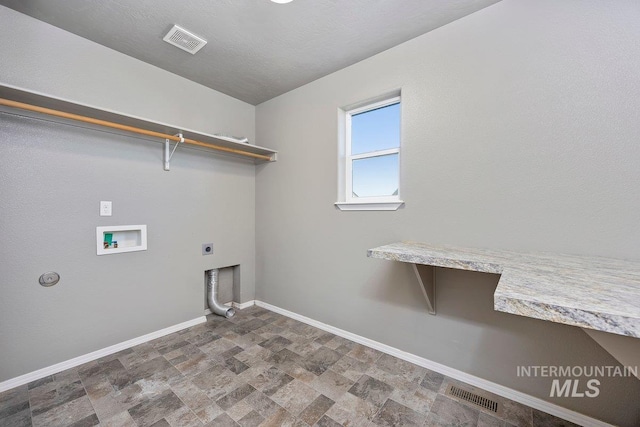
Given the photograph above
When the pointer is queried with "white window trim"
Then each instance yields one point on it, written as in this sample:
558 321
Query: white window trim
350 203
369 206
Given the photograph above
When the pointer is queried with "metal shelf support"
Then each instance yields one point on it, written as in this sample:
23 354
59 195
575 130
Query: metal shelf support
426 275
168 153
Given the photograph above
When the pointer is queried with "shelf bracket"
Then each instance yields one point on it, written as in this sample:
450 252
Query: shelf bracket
426 275
168 153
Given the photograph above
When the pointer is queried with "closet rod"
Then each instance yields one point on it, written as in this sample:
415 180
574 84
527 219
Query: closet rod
85 119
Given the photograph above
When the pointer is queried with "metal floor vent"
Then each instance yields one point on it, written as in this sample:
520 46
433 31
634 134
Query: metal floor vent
184 39
473 398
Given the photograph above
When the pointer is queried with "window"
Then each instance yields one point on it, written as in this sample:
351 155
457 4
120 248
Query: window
372 156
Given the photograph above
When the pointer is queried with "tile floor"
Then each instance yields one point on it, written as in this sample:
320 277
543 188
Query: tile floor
257 369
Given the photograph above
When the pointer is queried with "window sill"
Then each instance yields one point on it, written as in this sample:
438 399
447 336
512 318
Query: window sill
369 206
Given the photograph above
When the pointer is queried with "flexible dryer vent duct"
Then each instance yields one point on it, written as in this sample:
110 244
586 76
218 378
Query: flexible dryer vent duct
212 296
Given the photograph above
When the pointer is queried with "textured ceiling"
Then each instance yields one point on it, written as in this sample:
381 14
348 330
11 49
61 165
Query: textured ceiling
256 49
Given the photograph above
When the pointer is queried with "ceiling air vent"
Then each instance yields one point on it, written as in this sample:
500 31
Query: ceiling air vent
184 39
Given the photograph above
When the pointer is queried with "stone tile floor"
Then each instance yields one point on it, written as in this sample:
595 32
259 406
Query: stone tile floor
256 369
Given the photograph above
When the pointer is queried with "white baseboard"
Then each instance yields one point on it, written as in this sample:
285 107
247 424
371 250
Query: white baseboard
76 361
242 306
517 396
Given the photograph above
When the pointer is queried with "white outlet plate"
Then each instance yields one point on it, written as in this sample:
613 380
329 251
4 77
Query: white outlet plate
105 208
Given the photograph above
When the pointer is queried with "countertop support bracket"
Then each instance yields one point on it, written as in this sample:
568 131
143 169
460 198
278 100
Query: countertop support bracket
168 153
426 275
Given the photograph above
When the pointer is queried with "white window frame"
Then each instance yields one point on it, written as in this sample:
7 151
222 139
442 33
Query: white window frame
366 203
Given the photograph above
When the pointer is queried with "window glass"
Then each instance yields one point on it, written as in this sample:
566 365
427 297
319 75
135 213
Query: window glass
376 130
375 176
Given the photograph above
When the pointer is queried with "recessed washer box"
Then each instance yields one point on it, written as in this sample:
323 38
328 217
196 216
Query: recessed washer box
129 238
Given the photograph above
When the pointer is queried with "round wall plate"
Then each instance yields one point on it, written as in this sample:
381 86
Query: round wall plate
49 279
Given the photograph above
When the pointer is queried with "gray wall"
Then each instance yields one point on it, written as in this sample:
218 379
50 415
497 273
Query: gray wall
52 177
520 131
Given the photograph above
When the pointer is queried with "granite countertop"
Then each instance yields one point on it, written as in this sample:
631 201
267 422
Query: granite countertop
589 292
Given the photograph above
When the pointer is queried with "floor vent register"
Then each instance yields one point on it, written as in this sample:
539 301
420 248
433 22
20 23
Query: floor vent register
474 399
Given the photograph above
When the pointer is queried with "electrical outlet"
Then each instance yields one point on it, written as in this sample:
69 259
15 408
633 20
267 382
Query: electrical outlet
207 249
105 208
